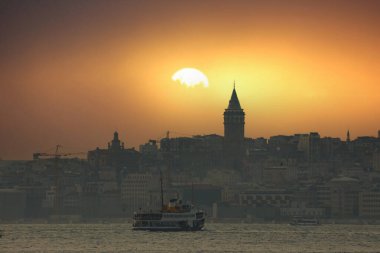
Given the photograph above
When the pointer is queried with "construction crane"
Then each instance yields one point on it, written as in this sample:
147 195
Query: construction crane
37 156
58 174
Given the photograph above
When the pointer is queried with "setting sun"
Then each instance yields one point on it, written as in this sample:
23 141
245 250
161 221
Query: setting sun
190 77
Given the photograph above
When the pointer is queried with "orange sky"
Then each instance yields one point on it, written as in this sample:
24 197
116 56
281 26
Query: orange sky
72 72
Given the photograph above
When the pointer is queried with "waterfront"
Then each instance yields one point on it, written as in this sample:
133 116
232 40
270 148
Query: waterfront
216 238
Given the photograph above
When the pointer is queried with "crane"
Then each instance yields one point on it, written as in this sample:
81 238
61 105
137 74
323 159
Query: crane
58 176
37 155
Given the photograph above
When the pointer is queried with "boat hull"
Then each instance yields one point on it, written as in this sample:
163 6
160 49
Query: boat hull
167 229
305 222
169 225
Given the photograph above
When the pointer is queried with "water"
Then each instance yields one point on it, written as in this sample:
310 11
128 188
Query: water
216 238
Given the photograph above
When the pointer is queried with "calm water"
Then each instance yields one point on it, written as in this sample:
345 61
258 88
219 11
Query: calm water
216 238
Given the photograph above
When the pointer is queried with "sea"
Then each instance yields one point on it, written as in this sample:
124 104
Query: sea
217 237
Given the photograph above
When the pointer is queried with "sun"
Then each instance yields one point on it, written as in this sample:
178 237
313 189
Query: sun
190 77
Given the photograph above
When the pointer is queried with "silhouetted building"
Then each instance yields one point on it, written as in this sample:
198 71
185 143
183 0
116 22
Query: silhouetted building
344 197
309 144
376 160
136 192
266 198
150 156
199 152
275 175
364 148
234 120
12 204
110 204
203 195
369 204
330 148
115 157
34 198
282 146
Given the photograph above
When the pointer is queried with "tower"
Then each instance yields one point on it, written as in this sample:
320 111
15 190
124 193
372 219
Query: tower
115 144
348 139
234 120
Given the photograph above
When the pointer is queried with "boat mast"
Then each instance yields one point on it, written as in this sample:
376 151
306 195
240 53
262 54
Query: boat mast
192 193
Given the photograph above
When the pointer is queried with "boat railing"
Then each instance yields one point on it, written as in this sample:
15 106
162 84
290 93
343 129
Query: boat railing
147 216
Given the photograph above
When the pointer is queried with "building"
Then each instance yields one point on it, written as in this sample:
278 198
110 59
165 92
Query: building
201 194
331 148
234 120
12 204
150 156
323 195
376 160
275 175
136 192
72 203
304 212
369 204
364 148
196 153
116 158
282 146
309 144
230 194
34 196
110 205
268 198
91 199
344 197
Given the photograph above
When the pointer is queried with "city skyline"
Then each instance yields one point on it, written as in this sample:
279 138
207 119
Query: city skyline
74 72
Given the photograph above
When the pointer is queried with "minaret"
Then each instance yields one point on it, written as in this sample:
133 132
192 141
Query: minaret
234 120
348 142
348 139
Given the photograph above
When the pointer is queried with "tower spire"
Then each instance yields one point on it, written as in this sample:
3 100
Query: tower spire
234 120
234 103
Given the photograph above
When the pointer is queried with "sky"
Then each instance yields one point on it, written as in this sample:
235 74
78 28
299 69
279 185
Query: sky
73 72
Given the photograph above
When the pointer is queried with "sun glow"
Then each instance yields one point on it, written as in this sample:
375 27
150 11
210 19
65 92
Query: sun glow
190 77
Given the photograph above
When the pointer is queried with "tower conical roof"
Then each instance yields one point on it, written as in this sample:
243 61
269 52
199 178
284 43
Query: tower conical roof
234 103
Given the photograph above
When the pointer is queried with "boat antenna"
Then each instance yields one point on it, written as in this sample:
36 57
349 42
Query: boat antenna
162 192
192 192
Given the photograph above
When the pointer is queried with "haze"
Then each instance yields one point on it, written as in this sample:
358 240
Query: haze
73 72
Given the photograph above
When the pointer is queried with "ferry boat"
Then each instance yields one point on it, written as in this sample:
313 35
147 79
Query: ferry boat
175 216
302 221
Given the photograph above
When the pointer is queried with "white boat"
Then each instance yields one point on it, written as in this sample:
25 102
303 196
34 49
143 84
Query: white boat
302 221
173 217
